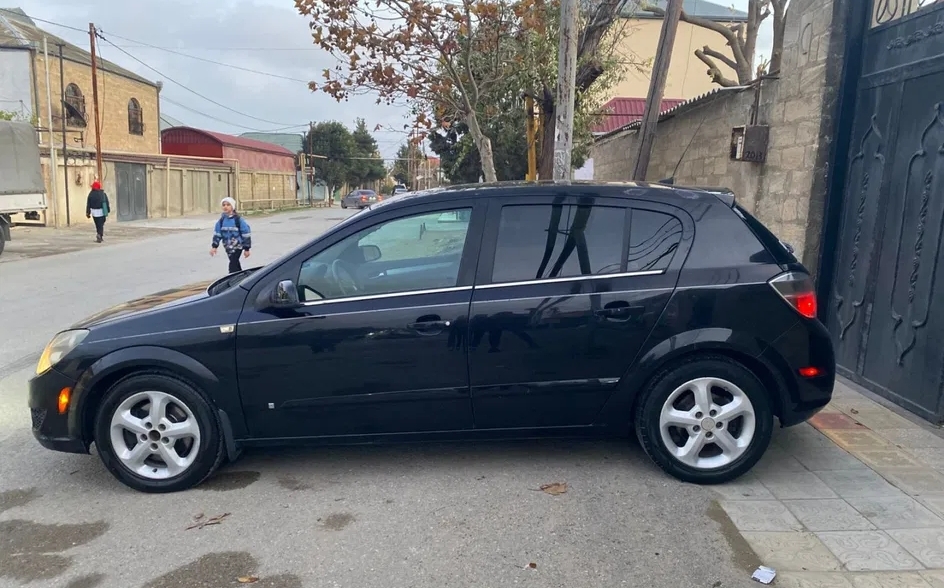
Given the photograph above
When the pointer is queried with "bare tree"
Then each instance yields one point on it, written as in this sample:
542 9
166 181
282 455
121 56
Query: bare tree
741 37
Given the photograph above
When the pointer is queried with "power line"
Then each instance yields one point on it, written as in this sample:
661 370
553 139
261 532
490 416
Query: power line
58 24
194 92
226 122
211 61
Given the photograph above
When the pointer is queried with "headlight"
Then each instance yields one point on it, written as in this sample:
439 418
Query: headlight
59 347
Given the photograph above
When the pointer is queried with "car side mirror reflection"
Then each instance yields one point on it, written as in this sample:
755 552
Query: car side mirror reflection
370 252
285 295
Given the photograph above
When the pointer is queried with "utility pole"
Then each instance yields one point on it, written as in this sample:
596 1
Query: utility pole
532 144
309 165
660 71
65 148
53 160
98 124
566 79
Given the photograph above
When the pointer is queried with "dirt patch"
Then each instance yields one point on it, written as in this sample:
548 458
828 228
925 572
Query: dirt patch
29 551
216 570
225 481
90 581
293 484
14 498
741 553
28 242
337 521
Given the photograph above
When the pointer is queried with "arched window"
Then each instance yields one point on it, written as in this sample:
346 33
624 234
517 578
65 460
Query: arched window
135 117
75 107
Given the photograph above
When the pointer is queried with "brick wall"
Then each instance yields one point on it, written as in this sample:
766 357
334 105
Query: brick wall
114 94
788 192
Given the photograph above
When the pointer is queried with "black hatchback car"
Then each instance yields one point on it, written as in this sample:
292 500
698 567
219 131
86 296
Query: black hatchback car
474 312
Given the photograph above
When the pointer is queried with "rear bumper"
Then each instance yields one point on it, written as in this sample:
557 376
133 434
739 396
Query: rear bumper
806 344
55 431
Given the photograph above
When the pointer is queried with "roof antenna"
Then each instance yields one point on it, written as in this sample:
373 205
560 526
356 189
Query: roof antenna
671 180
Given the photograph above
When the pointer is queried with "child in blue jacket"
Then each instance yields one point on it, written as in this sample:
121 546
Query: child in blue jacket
234 232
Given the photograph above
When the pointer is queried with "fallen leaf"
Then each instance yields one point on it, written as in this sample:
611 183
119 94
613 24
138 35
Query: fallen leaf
853 411
210 521
533 565
555 489
247 579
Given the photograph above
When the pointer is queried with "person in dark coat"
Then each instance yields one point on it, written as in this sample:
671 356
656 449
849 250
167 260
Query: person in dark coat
97 208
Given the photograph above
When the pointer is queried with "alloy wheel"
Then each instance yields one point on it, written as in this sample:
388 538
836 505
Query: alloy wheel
155 435
707 423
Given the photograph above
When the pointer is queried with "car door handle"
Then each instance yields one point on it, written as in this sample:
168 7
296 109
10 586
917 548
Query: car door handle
619 311
429 325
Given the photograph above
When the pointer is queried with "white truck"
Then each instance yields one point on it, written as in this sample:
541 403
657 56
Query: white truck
22 188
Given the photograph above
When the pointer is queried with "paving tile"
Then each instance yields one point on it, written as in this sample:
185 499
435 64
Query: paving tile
760 515
883 418
828 515
814 580
834 420
851 483
887 457
795 485
929 457
888 580
925 544
900 512
935 502
851 440
828 459
747 487
915 481
868 551
853 403
777 459
803 435
913 438
934 577
797 552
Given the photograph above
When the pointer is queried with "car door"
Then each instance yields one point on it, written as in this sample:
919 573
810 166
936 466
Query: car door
567 291
376 346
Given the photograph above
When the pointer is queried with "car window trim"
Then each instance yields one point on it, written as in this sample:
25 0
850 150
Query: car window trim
387 295
569 279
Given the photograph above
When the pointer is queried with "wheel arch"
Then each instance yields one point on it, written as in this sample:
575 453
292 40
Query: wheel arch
744 349
123 363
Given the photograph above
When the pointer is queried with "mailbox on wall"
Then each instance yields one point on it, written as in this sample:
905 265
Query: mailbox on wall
749 143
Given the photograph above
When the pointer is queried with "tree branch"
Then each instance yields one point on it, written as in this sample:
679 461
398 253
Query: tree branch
720 57
714 72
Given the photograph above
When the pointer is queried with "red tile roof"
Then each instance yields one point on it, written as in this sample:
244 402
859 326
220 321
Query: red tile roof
619 112
238 142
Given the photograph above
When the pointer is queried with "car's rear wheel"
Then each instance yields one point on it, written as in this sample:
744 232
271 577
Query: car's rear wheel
706 420
343 204
156 433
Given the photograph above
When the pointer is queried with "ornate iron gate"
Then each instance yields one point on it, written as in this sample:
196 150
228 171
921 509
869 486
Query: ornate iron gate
886 308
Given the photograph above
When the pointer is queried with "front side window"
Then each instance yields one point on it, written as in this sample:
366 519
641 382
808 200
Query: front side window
414 253
558 241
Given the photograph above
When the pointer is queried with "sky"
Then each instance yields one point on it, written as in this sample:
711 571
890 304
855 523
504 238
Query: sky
267 36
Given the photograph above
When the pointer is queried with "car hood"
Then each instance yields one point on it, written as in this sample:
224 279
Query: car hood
157 301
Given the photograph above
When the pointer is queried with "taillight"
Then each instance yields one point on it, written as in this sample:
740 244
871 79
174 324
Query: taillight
797 289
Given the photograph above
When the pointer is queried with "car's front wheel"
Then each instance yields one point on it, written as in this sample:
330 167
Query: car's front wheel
156 433
706 420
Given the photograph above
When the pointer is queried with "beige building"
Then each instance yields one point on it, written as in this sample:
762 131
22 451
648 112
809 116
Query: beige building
687 78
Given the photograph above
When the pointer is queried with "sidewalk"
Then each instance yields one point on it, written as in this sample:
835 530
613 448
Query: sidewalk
853 499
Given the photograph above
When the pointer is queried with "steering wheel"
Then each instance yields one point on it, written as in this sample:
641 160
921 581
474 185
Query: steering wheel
337 268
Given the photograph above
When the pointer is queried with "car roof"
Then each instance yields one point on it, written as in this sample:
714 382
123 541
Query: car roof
682 196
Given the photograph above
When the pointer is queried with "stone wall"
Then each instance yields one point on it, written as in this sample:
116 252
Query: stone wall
787 193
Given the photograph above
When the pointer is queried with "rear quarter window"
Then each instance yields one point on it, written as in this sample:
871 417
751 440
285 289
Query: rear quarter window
770 241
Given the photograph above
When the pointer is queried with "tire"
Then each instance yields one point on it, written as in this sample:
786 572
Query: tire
343 204
197 447
2 244
718 461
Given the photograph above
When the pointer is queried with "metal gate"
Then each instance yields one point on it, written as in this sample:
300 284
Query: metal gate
132 191
886 307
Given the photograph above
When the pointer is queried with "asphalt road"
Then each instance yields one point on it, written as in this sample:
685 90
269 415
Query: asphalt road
419 515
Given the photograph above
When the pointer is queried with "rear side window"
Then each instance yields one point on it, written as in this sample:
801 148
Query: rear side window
768 239
558 241
654 238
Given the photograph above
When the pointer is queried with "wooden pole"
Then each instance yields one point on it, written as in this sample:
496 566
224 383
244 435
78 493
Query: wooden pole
532 146
660 71
98 124
566 80
65 148
53 160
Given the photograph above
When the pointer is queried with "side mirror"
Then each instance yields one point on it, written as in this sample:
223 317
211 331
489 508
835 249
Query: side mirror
370 252
285 295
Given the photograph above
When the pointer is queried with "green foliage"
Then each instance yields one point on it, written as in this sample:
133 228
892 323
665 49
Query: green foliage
334 141
401 167
365 171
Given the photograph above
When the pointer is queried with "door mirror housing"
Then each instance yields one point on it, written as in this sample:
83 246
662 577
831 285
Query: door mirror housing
285 295
370 253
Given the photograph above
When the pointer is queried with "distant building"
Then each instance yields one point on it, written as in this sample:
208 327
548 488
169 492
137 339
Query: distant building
294 142
619 112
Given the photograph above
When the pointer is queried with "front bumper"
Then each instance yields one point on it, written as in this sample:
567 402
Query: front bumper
59 432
